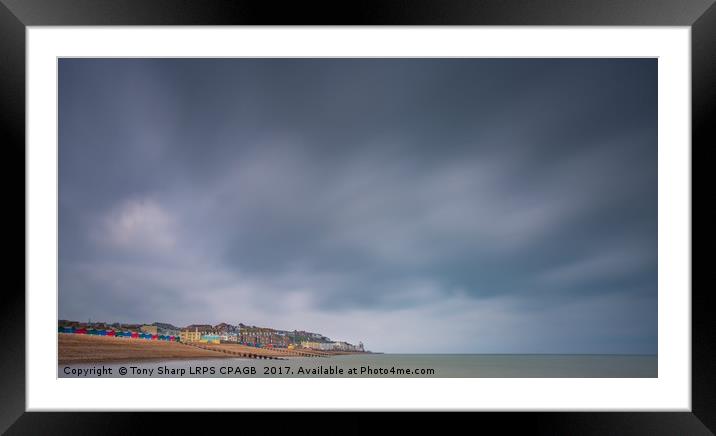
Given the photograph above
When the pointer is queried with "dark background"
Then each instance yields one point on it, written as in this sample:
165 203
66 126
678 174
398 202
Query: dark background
16 14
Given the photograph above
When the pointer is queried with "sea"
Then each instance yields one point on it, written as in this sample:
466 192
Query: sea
384 365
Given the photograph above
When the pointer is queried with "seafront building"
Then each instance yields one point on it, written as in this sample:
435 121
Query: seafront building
229 337
332 346
221 333
190 335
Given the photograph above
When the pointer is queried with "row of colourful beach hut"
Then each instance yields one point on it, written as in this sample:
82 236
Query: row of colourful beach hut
118 334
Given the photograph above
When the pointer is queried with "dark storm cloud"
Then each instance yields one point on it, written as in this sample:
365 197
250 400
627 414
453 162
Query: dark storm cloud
460 205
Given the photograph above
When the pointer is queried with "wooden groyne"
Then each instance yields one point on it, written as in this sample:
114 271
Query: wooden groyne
237 353
258 353
300 352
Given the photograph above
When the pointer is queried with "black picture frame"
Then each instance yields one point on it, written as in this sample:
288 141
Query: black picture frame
15 15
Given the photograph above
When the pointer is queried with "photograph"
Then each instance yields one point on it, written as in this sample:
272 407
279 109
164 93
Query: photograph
357 217
476 209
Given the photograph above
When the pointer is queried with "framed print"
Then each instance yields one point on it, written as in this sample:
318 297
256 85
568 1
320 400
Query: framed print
456 208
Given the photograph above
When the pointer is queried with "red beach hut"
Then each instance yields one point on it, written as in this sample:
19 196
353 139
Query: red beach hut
135 335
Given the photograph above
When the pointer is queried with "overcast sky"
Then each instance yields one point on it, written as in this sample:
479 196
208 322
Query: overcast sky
417 205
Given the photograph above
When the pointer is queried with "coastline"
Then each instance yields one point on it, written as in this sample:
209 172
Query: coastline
80 349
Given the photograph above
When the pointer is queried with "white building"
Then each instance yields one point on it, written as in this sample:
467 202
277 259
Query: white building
229 337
